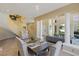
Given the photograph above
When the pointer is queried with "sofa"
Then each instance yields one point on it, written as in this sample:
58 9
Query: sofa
54 39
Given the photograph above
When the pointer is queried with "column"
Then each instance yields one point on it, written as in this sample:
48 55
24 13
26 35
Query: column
41 31
38 29
50 27
53 27
67 28
72 27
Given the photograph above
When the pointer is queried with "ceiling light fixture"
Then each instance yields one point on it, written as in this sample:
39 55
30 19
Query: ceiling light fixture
37 7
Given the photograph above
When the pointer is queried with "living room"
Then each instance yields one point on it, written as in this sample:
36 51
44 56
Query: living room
39 29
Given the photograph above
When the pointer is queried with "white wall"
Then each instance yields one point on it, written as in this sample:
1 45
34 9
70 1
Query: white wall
4 20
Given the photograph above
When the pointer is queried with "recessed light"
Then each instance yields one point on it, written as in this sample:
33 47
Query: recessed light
7 10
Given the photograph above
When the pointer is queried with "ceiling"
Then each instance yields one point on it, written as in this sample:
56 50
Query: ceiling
29 10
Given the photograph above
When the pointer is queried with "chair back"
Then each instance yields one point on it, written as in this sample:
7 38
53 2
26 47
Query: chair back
58 48
23 46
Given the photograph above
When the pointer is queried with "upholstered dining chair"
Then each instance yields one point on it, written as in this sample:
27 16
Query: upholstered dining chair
58 48
55 49
23 47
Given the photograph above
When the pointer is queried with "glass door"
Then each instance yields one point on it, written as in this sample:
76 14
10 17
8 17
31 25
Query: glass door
75 30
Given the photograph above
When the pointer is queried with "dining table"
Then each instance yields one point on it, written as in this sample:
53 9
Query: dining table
38 49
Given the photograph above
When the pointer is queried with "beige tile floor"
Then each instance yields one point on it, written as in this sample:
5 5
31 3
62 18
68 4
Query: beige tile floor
8 47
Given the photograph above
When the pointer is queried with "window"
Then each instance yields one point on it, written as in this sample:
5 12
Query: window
62 29
40 30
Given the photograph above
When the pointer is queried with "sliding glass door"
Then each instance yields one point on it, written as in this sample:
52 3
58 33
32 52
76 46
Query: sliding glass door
75 30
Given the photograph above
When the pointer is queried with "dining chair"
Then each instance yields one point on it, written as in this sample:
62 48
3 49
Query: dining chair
23 47
58 48
55 49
